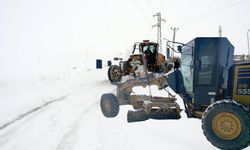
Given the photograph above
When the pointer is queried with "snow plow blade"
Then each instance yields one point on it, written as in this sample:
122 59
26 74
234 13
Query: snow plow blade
159 114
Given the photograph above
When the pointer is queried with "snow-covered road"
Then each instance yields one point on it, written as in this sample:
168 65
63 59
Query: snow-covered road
75 122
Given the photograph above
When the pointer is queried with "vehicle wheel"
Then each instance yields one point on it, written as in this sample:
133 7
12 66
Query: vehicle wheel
114 73
226 125
109 105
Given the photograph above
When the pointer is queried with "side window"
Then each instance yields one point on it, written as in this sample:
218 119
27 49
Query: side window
136 49
145 48
206 70
187 69
152 48
206 62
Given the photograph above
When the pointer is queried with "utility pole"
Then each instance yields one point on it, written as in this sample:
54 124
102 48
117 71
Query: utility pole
220 31
158 25
174 34
248 44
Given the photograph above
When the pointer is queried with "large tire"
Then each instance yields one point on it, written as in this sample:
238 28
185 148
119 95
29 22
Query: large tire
109 105
114 73
226 125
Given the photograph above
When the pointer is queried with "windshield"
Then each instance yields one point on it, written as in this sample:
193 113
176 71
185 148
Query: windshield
187 69
149 48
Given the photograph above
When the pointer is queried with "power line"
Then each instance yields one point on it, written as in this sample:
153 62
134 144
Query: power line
145 17
164 11
149 6
216 11
142 13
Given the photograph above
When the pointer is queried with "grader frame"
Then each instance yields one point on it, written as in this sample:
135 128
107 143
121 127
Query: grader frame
146 106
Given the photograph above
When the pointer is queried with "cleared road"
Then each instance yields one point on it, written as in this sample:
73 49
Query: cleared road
76 123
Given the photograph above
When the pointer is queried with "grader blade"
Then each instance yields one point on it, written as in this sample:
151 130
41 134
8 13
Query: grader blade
137 115
159 114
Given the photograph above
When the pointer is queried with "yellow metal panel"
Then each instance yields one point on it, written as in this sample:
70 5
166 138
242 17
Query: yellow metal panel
241 90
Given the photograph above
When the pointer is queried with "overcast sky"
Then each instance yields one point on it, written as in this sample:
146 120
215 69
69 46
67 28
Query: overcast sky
58 33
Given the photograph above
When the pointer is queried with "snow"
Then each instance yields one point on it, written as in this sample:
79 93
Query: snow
75 121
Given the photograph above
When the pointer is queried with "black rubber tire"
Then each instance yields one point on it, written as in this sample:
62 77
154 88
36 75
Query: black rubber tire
228 106
109 105
114 76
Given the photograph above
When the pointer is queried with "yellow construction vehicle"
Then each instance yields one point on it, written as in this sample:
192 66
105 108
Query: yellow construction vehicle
155 61
213 88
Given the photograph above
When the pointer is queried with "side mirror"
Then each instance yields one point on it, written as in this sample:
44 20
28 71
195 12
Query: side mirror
116 58
179 48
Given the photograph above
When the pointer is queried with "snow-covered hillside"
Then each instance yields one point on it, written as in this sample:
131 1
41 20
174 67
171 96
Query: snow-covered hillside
73 120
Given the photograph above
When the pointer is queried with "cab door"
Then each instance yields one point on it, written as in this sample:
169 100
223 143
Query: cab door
205 64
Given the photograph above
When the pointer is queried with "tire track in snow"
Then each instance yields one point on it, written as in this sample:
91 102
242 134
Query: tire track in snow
69 138
31 111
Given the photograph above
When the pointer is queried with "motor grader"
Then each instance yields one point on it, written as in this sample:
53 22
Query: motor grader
155 61
212 87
